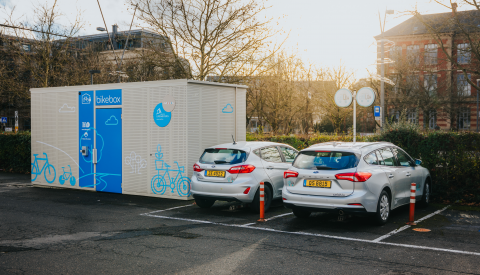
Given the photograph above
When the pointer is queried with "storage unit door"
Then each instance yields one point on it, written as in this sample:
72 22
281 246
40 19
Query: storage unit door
109 150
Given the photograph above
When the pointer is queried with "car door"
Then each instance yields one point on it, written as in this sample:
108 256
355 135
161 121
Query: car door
395 174
288 155
274 166
412 173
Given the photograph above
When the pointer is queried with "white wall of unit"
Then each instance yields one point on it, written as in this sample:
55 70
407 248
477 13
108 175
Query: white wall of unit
205 114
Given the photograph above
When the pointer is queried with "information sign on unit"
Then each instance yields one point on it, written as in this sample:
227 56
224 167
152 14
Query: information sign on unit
4 120
376 112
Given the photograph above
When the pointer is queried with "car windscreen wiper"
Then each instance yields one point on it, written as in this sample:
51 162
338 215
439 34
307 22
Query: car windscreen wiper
220 161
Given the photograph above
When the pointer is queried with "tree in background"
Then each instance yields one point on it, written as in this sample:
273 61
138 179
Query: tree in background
222 38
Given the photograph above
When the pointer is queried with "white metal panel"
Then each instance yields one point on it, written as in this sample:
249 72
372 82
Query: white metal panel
241 114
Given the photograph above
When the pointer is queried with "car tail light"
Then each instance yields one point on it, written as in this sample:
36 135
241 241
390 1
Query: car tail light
197 168
284 199
220 148
356 204
241 169
356 177
246 190
290 174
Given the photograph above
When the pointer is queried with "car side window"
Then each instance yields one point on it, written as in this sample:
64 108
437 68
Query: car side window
386 157
271 154
371 158
257 152
288 153
403 158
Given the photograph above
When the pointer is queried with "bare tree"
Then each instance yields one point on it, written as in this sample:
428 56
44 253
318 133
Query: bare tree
220 37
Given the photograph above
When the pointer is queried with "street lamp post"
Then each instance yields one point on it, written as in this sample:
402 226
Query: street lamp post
382 65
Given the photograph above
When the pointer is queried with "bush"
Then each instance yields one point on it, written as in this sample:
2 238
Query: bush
452 158
15 152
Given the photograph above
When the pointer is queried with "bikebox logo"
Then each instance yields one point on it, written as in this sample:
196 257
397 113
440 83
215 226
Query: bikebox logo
108 97
86 99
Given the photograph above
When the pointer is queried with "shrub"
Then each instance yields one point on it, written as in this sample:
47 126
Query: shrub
15 152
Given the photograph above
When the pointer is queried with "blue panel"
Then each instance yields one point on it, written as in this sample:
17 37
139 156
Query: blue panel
86 134
108 97
109 150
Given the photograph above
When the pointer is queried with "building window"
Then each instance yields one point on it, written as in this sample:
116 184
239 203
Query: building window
413 82
432 119
396 53
413 54
394 115
412 116
431 54
463 53
464 119
463 87
26 47
430 84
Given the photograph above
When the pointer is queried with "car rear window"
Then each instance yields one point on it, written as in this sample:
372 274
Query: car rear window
223 156
326 160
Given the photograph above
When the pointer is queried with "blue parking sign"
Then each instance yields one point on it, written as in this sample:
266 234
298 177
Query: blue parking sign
4 120
376 111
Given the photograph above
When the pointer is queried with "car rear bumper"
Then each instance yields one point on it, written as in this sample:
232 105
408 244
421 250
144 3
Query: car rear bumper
313 203
224 191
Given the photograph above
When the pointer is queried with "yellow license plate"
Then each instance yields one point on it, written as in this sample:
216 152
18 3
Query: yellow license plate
219 174
318 183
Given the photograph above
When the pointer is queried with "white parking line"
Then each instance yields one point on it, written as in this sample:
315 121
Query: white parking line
156 211
322 235
274 217
408 226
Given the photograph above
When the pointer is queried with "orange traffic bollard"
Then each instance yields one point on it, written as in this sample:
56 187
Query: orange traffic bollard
262 202
413 188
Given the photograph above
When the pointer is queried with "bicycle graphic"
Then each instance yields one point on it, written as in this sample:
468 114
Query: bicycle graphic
49 169
159 183
67 176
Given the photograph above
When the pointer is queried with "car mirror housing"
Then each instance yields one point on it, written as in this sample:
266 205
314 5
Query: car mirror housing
418 162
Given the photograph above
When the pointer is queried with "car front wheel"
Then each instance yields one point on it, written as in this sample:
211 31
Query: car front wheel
426 194
255 205
383 208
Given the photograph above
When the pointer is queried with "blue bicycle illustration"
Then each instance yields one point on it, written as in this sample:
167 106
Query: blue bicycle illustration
67 176
159 183
49 170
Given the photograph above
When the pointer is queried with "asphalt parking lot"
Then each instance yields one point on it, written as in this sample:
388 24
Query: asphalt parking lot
45 231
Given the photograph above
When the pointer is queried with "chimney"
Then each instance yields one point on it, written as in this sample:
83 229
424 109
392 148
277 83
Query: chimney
114 36
454 9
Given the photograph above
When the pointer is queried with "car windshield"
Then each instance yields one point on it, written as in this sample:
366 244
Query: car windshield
326 160
223 156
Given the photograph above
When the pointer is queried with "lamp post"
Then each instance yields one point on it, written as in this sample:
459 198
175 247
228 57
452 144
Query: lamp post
478 82
382 65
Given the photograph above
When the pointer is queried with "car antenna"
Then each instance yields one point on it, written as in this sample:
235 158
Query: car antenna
233 140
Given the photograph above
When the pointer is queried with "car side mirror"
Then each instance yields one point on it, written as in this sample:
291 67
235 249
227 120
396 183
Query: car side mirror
418 162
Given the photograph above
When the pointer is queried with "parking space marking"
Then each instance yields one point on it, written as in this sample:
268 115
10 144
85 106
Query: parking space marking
322 235
156 211
274 217
408 226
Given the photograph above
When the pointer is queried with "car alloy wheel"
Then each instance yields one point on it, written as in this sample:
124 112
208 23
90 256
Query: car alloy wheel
384 207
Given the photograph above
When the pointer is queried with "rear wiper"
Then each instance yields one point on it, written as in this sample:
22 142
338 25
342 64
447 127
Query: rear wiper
323 168
220 161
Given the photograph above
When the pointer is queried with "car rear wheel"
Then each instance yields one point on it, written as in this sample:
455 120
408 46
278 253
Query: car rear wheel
426 194
383 208
302 214
204 203
255 205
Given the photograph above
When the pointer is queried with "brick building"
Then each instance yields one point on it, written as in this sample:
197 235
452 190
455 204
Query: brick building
430 86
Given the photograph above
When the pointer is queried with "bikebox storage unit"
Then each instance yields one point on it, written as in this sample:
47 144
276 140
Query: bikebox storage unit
139 138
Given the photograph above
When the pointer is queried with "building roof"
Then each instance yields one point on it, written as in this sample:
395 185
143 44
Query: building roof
442 22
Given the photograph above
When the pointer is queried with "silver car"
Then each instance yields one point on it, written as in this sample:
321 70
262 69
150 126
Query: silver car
233 172
358 178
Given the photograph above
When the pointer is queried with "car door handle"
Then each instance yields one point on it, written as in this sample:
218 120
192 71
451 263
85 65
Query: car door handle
390 176
270 167
407 174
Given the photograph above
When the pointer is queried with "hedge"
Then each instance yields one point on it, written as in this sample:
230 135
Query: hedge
15 152
452 158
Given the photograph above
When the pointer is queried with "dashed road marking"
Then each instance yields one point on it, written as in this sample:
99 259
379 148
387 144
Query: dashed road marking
156 211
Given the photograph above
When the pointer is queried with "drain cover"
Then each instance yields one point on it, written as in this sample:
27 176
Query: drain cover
422 230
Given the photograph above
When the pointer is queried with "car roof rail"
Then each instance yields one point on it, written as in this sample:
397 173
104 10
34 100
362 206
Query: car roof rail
378 142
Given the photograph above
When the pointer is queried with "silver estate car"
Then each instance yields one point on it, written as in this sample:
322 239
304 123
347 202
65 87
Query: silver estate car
233 172
355 178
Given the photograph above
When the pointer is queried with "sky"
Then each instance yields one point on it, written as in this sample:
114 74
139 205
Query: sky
325 33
